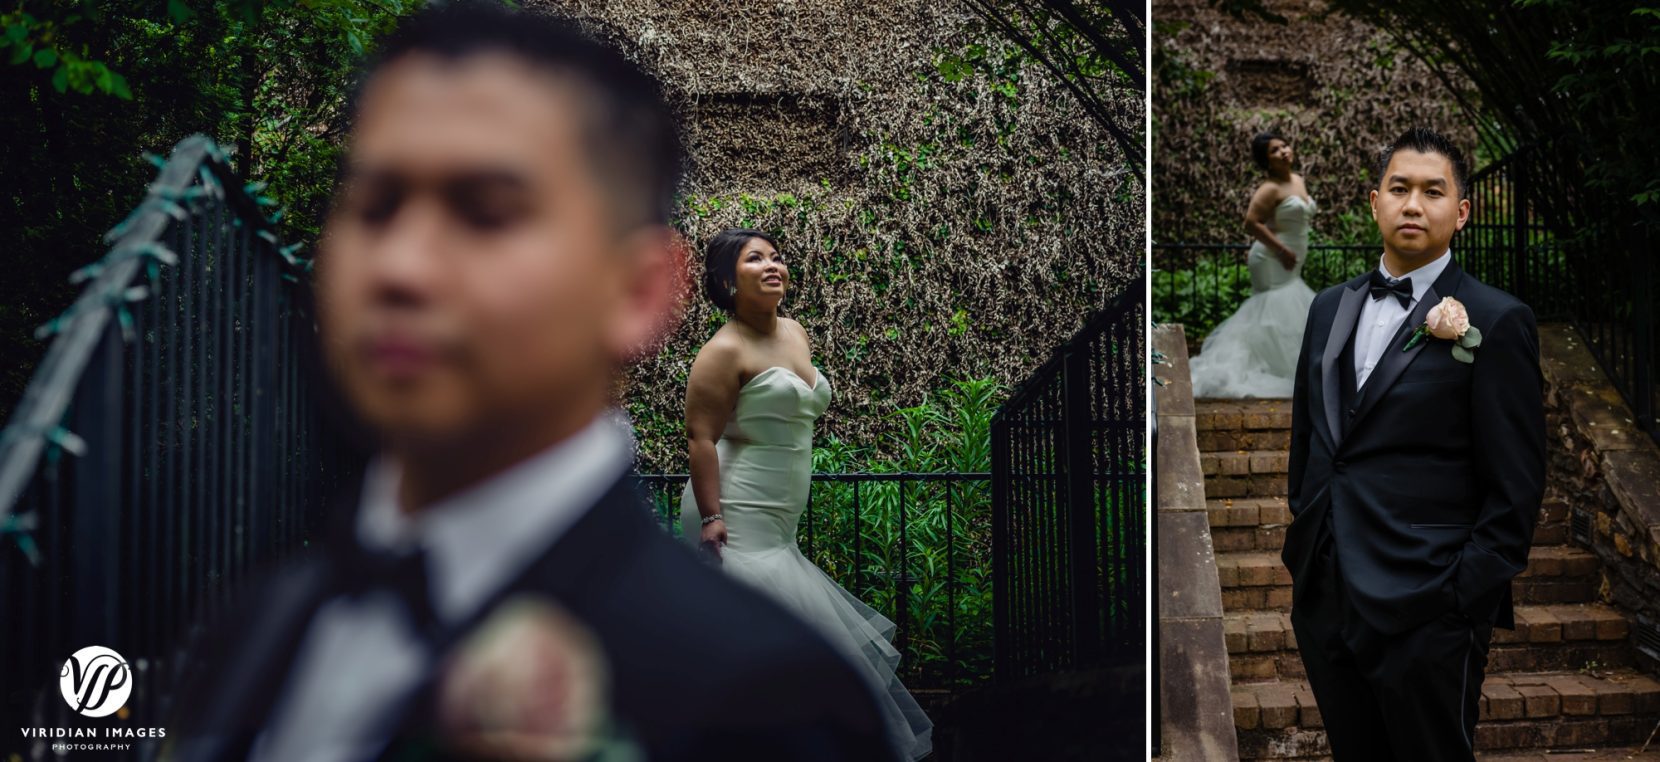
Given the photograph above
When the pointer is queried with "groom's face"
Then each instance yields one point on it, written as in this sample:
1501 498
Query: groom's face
1417 205
474 277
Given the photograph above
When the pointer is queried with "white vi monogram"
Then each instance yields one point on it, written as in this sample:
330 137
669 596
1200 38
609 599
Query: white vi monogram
96 681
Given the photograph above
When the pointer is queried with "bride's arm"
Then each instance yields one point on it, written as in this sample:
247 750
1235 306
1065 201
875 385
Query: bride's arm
711 393
1257 216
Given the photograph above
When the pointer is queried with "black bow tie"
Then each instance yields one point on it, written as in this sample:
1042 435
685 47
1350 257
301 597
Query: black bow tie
403 574
1401 289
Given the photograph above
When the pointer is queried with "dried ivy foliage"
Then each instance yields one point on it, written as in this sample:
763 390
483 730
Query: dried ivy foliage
948 208
1336 87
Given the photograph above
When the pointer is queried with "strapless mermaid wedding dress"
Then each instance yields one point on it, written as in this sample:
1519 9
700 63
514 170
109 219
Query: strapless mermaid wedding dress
1253 353
766 465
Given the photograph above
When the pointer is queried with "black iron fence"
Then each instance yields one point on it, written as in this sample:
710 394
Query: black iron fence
166 443
1507 244
914 546
1614 309
1069 497
1572 251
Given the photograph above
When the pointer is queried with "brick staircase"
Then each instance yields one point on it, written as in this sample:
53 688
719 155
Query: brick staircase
1564 679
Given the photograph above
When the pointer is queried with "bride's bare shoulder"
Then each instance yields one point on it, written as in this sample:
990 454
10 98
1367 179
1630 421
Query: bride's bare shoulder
724 349
1269 192
1267 195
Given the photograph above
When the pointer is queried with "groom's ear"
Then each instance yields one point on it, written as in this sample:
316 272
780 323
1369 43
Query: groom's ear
1372 201
1463 213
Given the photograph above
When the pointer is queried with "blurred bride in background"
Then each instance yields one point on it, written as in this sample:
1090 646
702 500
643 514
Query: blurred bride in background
1253 353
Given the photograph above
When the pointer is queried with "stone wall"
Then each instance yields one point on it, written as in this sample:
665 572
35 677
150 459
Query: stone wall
1335 87
1605 472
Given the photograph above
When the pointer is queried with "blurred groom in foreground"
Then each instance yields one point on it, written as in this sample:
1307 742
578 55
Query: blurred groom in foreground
498 247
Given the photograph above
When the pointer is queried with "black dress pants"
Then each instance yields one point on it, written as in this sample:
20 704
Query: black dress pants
1405 697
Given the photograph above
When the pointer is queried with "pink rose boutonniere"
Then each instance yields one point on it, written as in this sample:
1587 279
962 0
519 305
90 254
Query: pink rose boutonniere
1449 321
531 683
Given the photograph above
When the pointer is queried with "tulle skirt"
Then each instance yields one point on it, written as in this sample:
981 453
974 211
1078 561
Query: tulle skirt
1253 353
862 634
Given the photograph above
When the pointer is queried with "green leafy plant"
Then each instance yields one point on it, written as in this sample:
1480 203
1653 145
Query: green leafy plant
923 545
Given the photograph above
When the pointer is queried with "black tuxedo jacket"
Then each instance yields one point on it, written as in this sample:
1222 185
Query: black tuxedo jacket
1430 478
701 667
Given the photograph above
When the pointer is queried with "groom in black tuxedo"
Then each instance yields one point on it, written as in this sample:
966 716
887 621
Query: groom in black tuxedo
1416 474
498 247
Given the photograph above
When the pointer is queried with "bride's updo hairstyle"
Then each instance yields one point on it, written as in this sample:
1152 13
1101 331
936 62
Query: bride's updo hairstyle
1259 147
720 264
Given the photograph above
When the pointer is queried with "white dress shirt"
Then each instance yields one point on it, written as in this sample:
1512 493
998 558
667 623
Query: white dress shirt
1380 318
359 657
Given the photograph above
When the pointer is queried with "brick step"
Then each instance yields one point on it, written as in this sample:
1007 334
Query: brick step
1248 485
1617 754
1247 538
1236 440
1253 581
1212 414
1243 463
1559 574
1244 474
1258 580
1530 711
1248 512
1262 645
1258 523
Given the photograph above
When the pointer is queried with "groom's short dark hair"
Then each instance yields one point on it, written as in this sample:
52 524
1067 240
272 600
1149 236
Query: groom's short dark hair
1425 140
630 133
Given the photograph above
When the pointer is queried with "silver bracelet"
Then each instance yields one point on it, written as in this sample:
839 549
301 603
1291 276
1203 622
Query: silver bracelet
707 520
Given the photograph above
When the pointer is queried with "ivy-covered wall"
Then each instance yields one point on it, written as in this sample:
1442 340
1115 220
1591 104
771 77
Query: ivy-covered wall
1337 88
948 209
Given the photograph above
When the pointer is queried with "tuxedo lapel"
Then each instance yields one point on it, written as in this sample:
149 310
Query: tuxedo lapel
1394 361
572 571
237 697
1331 385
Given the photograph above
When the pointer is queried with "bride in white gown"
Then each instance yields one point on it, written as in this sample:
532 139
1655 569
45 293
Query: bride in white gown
1253 353
751 402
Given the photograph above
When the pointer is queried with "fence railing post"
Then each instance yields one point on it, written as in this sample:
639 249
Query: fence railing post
1518 246
96 520
1080 504
1000 538
1642 325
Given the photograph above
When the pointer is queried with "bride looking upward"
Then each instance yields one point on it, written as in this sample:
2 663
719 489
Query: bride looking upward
751 402
1253 353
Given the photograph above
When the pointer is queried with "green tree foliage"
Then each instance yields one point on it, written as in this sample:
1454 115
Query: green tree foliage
1095 48
1576 76
89 86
